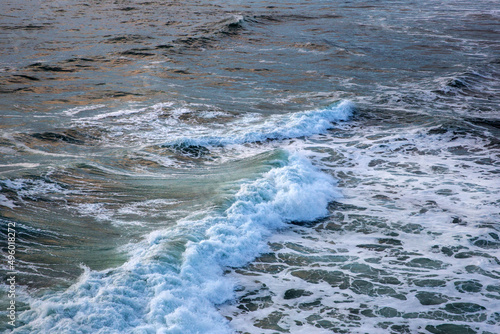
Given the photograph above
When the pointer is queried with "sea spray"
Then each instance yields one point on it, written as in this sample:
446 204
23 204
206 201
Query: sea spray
174 278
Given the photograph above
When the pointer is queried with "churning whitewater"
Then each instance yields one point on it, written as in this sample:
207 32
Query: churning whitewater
174 278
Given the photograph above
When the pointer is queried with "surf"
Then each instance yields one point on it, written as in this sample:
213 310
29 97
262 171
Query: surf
175 277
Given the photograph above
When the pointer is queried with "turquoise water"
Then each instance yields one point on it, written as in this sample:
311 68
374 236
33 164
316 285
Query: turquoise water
250 167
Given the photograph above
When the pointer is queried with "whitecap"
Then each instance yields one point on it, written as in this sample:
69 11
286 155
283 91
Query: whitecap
174 279
285 126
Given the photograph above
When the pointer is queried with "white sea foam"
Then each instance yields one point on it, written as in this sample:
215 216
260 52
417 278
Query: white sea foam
204 125
77 110
126 112
30 188
4 201
22 164
406 186
174 279
160 208
293 125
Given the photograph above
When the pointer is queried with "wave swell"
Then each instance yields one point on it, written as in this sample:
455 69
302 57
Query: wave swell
174 279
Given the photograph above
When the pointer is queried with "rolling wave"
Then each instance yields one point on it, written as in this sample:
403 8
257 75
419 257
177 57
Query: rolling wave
174 279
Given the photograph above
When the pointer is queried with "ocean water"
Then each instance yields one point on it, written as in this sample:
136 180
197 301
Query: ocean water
250 167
